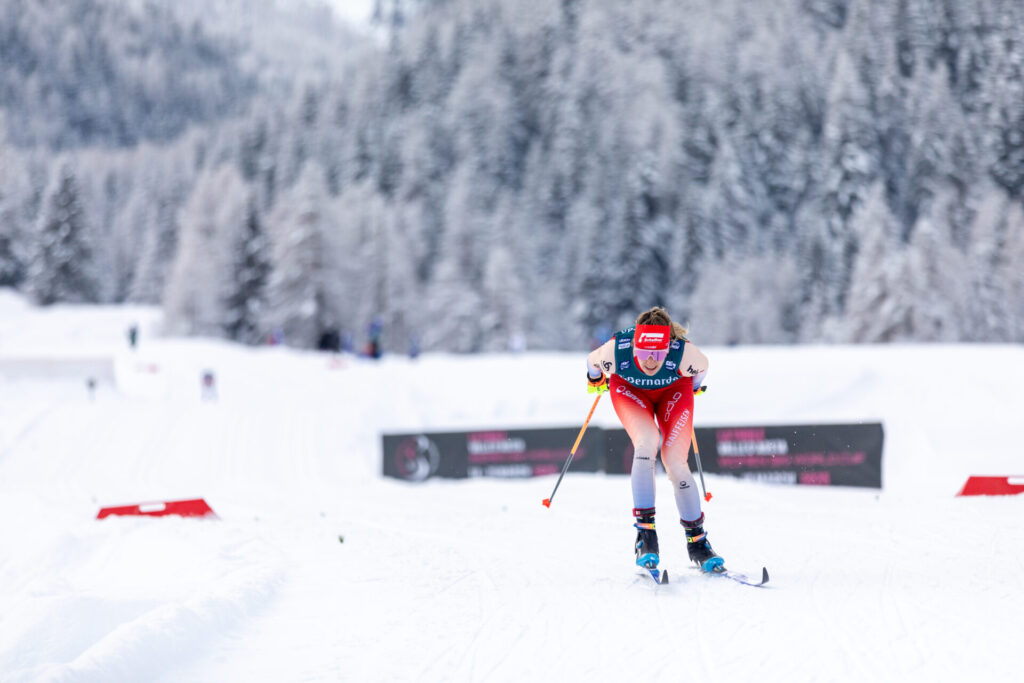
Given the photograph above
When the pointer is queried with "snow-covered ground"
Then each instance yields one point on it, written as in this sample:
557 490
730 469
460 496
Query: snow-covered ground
319 569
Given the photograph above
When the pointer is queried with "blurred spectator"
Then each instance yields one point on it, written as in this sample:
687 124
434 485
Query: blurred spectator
90 384
376 327
373 348
414 347
133 335
209 386
330 340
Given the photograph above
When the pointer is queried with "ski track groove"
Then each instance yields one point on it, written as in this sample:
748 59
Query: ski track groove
31 424
705 671
893 600
832 626
463 654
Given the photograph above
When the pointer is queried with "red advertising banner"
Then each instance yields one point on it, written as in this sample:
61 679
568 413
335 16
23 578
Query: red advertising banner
195 507
992 486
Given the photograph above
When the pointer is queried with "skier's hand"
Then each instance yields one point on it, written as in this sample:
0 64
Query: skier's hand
699 390
597 385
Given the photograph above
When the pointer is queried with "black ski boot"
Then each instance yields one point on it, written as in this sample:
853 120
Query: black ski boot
698 547
646 538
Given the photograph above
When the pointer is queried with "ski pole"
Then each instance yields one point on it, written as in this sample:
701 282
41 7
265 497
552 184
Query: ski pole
700 470
547 501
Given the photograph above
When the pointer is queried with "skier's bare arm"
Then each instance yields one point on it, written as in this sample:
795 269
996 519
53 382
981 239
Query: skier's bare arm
602 359
694 364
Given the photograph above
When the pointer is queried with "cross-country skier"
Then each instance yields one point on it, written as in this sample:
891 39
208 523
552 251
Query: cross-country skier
652 372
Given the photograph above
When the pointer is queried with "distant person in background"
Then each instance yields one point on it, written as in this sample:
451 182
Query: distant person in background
330 340
209 386
652 372
414 347
90 384
373 348
133 335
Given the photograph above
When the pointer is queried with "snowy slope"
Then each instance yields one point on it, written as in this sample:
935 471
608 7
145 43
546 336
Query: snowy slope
475 580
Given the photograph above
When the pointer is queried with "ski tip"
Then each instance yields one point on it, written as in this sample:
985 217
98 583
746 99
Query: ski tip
546 502
764 574
664 577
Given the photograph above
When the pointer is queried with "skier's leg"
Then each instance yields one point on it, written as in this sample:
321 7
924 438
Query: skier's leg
646 544
675 415
636 413
698 547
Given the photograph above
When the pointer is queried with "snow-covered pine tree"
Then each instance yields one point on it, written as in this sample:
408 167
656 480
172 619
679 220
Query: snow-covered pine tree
879 307
249 254
165 185
377 266
132 225
199 282
649 231
454 298
745 297
14 194
155 258
62 266
1006 90
303 297
505 308
988 316
402 317
1013 273
853 160
937 284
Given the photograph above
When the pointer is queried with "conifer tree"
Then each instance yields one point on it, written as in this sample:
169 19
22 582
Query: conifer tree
303 293
62 267
249 271
198 284
13 196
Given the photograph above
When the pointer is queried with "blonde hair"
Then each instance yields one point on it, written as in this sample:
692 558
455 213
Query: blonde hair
658 316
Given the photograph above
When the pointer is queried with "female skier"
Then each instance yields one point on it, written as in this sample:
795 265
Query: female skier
654 372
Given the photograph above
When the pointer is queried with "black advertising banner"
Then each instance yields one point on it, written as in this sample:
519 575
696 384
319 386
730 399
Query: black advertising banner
489 453
618 452
529 452
416 457
822 455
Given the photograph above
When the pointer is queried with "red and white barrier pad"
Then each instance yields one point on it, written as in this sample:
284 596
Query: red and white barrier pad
992 486
195 507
